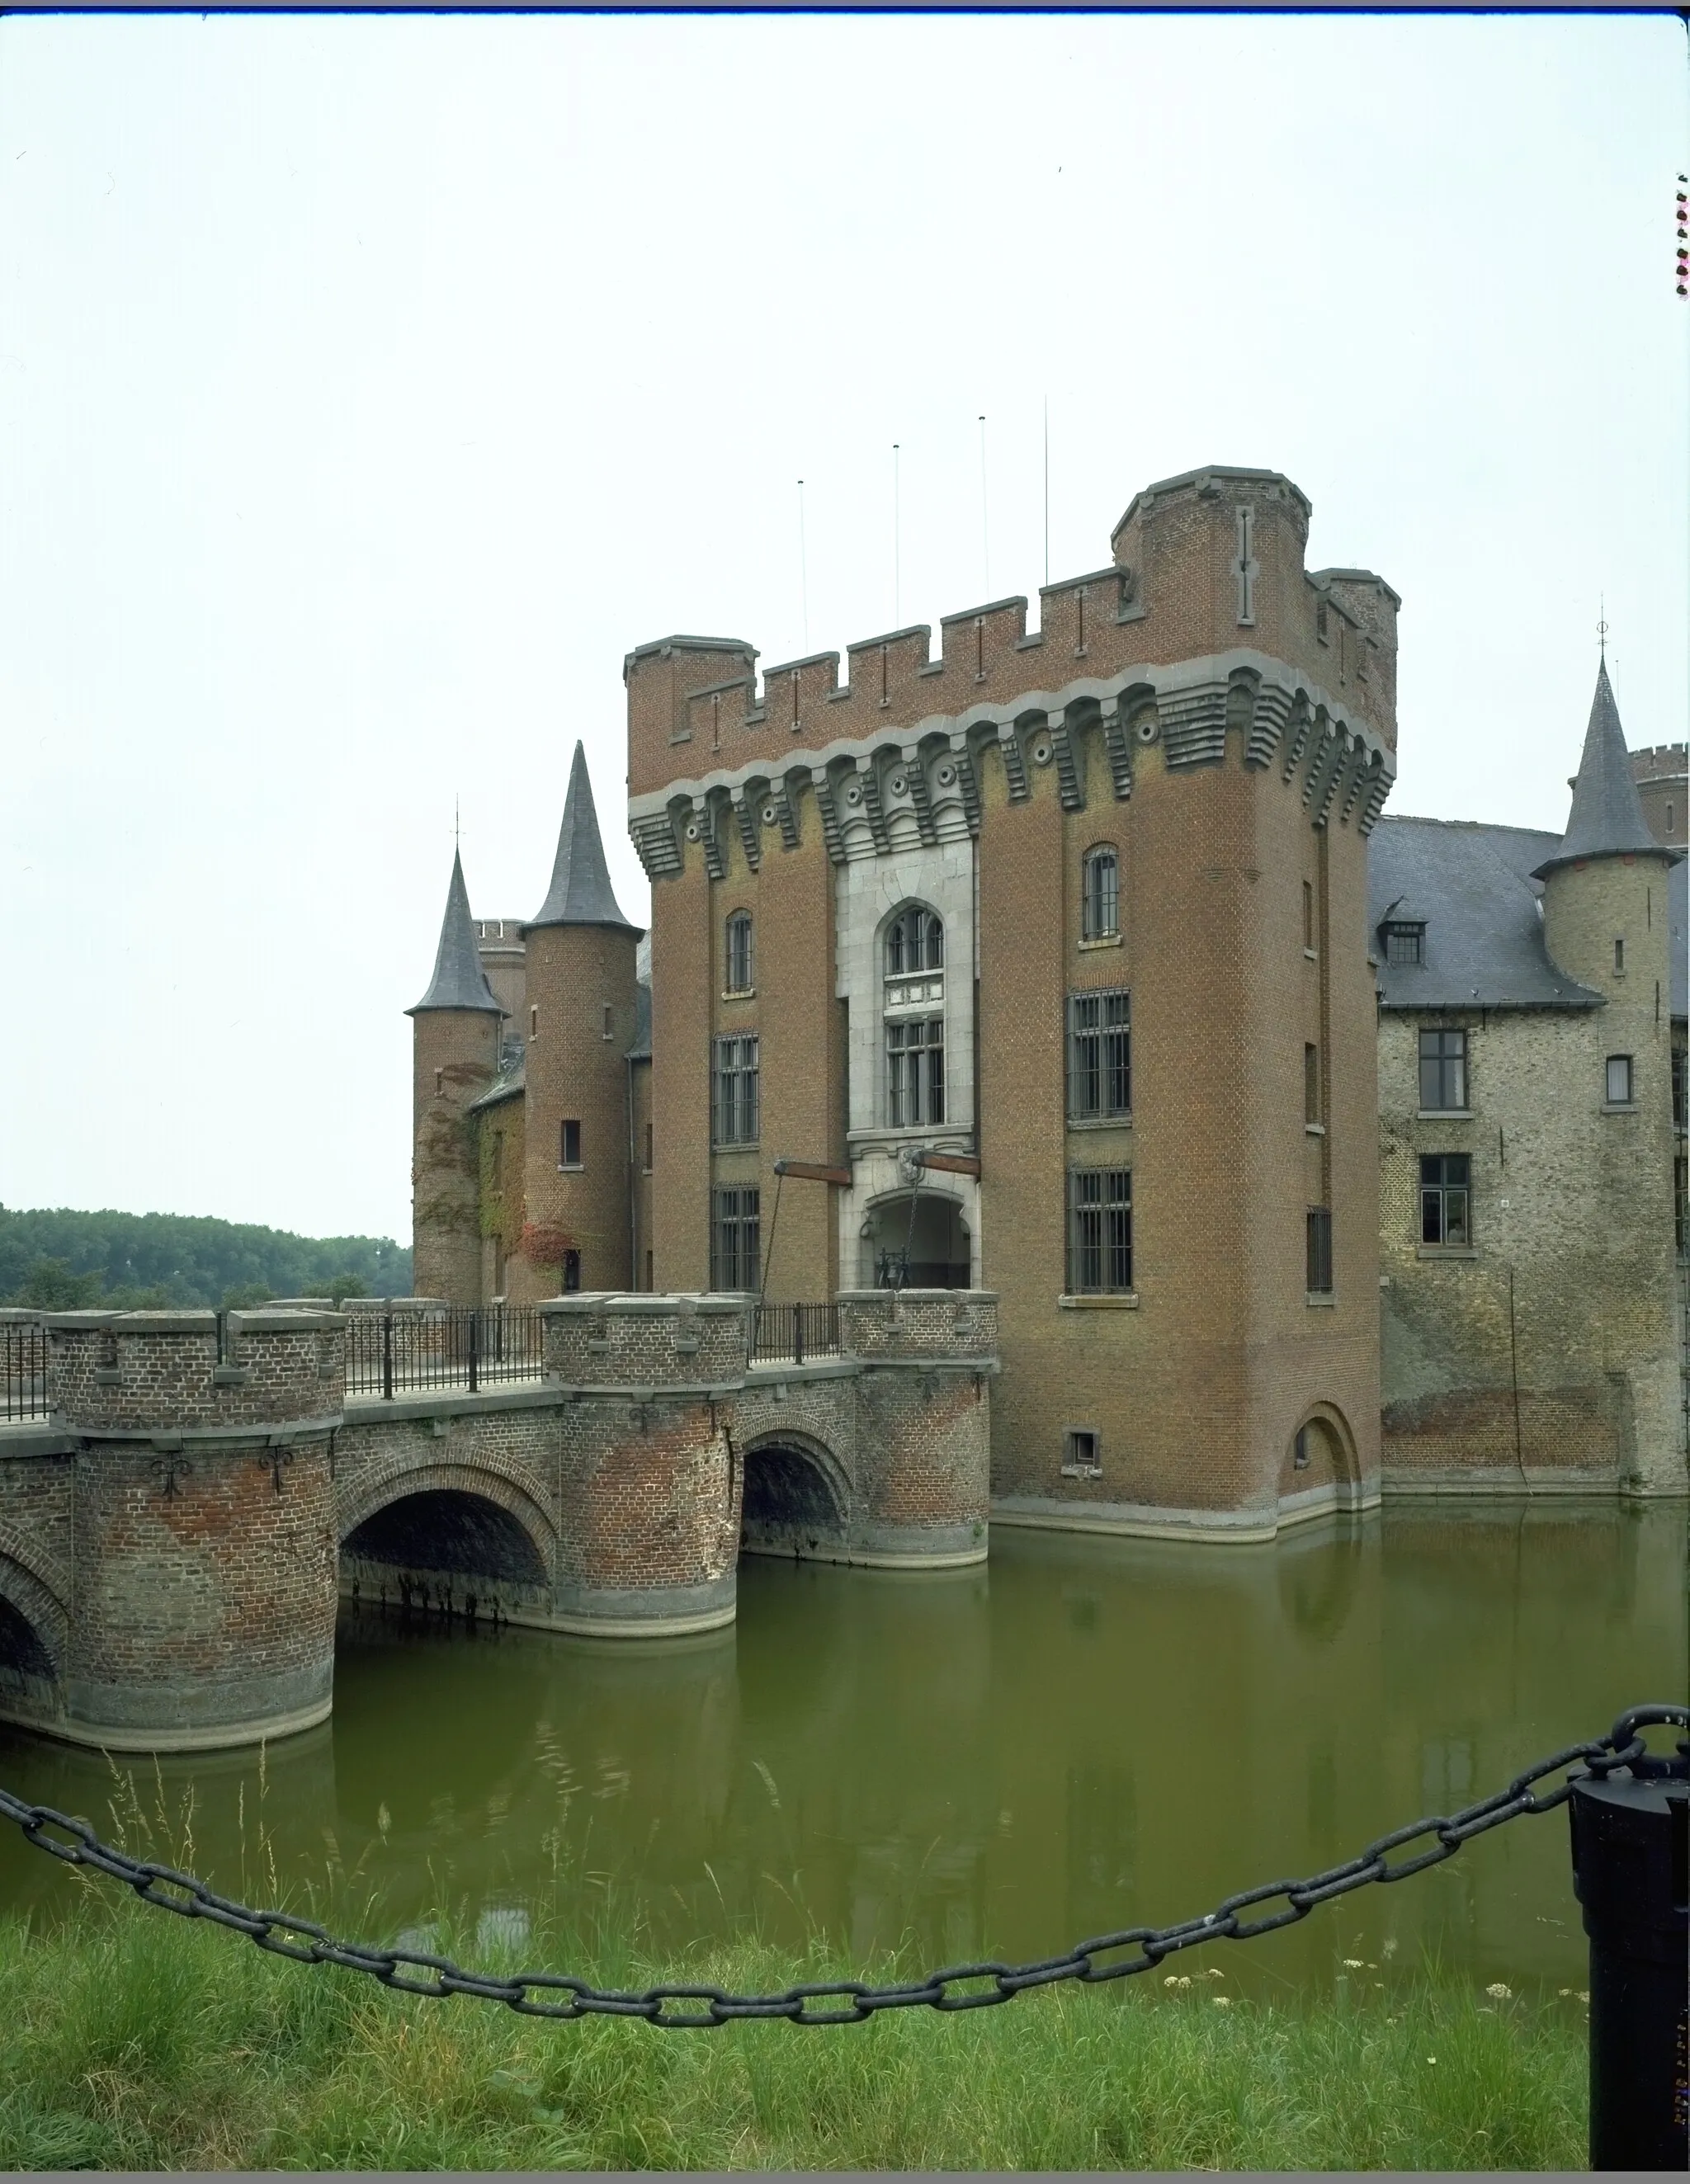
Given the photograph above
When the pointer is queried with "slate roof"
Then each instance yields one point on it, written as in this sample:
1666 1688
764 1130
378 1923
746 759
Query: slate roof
1607 818
641 1048
459 980
510 1083
1474 886
581 893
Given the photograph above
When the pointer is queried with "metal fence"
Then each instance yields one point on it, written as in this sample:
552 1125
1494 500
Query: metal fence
23 1370
794 1331
390 1352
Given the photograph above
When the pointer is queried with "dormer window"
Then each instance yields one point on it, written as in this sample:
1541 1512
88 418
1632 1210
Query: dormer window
1405 941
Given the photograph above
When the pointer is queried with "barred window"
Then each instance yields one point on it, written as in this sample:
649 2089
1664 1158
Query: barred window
1100 894
1100 1230
1319 1276
1444 1069
733 1092
915 941
734 1239
1446 1198
915 1071
739 980
1099 1055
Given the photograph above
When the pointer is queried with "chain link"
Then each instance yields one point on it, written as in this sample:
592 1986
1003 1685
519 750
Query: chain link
849 2002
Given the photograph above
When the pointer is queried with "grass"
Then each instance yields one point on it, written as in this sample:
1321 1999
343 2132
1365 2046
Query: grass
130 2039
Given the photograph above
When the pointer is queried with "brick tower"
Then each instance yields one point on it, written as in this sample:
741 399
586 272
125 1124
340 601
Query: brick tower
577 1112
1606 923
1041 956
455 1048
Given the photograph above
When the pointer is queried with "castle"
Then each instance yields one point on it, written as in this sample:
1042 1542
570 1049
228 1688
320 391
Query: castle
1079 966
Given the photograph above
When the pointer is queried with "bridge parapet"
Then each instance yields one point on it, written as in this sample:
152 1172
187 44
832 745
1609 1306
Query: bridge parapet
606 1339
887 1325
142 1372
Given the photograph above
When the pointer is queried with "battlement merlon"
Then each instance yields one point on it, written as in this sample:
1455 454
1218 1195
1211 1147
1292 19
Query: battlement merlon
1204 564
660 677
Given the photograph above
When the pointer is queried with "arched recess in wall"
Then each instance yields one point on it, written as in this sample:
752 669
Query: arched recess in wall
795 1497
1321 1453
452 1519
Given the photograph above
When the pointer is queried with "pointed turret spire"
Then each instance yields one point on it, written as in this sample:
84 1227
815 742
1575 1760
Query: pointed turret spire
1607 818
580 893
459 980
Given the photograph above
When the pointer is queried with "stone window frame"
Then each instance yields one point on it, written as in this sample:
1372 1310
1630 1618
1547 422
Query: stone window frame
914 1072
1111 1074
735 1089
1112 1247
738 968
1100 896
1082 1453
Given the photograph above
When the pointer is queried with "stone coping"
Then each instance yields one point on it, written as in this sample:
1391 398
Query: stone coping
262 1320
915 1297
637 1304
257 1433
38 1437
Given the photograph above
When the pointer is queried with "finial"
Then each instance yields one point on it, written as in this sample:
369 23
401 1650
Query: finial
1602 626
457 817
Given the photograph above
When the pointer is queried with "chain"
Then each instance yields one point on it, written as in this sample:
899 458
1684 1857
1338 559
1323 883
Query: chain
849 2002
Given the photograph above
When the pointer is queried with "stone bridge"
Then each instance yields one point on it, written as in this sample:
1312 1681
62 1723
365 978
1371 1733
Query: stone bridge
174 1539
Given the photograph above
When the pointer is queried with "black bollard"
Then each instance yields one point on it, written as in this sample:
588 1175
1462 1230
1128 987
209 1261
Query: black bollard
1630 1839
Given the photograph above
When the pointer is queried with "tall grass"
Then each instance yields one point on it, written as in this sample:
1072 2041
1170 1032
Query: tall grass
131 2039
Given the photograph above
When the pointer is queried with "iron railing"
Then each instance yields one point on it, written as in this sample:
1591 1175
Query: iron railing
390 1352
794 1331
23 1370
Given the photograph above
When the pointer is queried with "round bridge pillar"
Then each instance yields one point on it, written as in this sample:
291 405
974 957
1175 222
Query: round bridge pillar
648 1485
204 1539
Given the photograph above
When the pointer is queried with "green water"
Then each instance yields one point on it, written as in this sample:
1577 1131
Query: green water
1081 1735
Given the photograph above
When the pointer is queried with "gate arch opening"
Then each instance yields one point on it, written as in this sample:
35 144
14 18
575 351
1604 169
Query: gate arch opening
1322 1454
445 1549
792 1502
28 1668
929 1252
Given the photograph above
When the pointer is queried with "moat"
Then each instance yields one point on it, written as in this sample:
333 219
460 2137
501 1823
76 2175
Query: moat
1081 1734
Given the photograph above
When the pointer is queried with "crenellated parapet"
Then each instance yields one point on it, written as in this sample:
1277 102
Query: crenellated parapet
146 1372
1205 635
642 1342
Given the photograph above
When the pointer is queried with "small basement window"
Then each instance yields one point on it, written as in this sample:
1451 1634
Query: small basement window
1080 1454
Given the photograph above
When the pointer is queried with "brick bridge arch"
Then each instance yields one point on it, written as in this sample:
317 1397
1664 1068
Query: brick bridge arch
35 1625
450 1533
796 1496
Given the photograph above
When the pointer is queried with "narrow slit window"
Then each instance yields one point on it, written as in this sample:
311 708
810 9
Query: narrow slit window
1619 1090
1310 1084
569 1145
1100 895
739 952
1319 1250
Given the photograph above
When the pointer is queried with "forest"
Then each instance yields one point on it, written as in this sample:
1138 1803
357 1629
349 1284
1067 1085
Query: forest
60 1260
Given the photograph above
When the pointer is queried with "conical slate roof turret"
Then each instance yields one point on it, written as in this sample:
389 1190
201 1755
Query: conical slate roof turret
459 980
1607 818
580 893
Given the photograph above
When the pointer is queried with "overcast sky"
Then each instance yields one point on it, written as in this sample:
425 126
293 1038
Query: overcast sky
369 386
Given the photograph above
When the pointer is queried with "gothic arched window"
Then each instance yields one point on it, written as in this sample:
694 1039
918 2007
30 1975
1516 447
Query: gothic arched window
914 1013
1099 893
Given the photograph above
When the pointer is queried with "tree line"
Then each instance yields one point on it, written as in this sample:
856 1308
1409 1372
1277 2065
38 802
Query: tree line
60 1260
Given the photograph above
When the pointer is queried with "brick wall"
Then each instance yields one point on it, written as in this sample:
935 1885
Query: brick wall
130 1371
455 1054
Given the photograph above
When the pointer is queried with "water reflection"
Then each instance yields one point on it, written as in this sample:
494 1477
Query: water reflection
1082 1733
